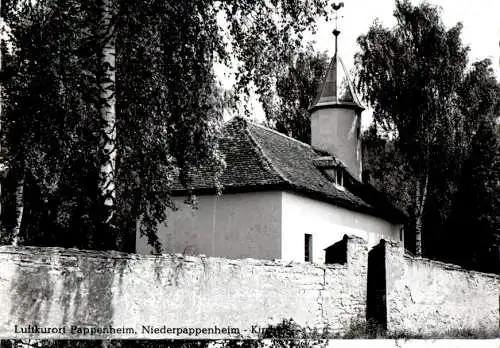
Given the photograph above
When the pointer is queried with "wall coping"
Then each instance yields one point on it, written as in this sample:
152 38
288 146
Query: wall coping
450 266
441 264
30 251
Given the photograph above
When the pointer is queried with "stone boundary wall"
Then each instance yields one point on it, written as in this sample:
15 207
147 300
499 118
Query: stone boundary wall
427 297
141 296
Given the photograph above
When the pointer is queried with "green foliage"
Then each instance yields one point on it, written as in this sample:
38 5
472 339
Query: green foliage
267 34
475 224
414 77
169 107
48 119
369 330
384 166
409 75
287 103
364 330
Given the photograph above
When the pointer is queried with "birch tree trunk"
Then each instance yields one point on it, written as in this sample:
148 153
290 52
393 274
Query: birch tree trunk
107 59
19 198
2 166
420 198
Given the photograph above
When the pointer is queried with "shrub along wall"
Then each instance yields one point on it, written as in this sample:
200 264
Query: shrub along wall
55 293
432 298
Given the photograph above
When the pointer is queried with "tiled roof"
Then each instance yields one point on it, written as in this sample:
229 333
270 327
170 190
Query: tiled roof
336 88
258 158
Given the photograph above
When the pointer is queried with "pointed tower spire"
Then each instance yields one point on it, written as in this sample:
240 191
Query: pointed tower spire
336 113
336 88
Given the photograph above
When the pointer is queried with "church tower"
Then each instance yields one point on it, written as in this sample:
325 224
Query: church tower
336 115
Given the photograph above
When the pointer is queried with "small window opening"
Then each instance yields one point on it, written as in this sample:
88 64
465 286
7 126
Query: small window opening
336 175
340 177
308 248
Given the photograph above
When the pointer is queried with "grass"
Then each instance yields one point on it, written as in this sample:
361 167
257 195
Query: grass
371 330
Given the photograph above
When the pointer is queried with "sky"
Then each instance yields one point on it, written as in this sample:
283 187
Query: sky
481 32
480 19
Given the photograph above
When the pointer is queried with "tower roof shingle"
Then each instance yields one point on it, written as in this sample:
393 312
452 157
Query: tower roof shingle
336 89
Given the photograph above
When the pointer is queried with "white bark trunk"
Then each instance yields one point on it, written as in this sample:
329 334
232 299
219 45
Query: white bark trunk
107 111
420 198
19 211
2 167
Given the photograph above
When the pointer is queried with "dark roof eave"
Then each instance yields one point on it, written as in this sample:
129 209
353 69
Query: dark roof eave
336 105
232 189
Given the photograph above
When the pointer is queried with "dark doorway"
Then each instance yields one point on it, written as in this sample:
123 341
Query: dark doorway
376 308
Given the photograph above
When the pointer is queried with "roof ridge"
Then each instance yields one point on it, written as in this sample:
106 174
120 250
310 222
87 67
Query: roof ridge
280 134
295 140
265 157
333 61
350 84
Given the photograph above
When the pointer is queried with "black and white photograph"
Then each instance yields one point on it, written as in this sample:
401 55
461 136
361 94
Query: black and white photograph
249 173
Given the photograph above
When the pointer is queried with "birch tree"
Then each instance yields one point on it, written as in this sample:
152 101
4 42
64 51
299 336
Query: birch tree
409 74
118 102
107 111
2 164
47 124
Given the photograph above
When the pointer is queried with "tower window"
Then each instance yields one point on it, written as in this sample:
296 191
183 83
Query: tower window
331 169
337 175
340 176
308 247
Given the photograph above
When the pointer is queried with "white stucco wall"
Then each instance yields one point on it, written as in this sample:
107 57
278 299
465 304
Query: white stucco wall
327 224
335 130
263 225
234 226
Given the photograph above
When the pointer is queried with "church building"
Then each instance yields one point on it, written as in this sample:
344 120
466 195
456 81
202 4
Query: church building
284 199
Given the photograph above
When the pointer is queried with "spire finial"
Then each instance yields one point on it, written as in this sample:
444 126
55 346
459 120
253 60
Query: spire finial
336 32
